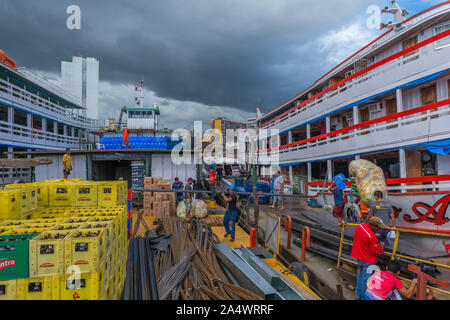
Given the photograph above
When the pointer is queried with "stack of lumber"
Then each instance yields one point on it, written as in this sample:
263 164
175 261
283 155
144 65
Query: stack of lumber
160 205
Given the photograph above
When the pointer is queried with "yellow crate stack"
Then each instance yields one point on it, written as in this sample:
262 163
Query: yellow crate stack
80 252
47 253
9 200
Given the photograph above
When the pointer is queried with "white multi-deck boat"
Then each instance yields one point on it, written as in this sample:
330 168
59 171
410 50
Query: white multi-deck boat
387 103
37 115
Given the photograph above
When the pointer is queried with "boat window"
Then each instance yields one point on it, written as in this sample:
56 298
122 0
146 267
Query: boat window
3 113
37 122
409 43
50 125
444 41
20 117
60 128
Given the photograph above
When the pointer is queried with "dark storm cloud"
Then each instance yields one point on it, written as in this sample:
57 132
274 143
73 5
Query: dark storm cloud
236 53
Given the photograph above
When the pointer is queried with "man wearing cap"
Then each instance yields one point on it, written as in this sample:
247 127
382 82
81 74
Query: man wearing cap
231 214
366 249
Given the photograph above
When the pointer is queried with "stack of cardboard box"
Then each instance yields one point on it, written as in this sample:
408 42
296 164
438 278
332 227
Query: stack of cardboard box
161 205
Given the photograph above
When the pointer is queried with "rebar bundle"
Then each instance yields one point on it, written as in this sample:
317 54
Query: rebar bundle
188 269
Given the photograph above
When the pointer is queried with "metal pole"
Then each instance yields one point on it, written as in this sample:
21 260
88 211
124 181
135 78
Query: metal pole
255 204
260 194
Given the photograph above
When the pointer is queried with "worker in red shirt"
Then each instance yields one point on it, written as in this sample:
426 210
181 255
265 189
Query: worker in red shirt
212 182
125 138
366 249
446 246
384 285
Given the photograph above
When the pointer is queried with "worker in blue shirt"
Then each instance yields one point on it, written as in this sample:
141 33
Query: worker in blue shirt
338 209
178 185
231 214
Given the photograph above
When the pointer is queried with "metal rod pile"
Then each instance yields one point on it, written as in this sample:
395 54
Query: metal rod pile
187 270
140 280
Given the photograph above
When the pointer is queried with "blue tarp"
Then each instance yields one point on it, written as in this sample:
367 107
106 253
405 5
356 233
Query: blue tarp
441 147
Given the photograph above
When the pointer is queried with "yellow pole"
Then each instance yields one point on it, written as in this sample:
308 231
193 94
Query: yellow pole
340 245
394 250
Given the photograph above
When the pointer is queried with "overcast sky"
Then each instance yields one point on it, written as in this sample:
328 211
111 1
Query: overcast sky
199 58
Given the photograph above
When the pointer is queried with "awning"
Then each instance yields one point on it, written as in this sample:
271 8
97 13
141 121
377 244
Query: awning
441 147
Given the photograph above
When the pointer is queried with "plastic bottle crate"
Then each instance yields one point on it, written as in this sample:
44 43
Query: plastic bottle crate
85 194
110 194
60 195
15 223
31 191
23 231
121 219
111 219
4 229
109 232
77 220
42 194
45 226
110 267
111 290
8 290
47 253
86 286
88 214
46 220
68 226
40 288
24 202
9 204
85 248
14 258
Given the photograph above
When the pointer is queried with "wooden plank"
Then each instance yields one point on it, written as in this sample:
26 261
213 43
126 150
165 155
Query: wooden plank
20 163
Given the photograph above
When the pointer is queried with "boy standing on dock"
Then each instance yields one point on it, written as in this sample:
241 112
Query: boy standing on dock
67 166
231 214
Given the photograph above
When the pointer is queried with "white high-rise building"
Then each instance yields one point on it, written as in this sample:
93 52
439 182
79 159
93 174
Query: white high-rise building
80 76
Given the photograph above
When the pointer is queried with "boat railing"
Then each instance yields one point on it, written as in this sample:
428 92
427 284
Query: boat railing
44 83
375 70
36 137
399 121
46 106
440 183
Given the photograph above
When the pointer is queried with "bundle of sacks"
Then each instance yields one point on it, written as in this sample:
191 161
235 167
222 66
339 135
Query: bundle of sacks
368 178
199 209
